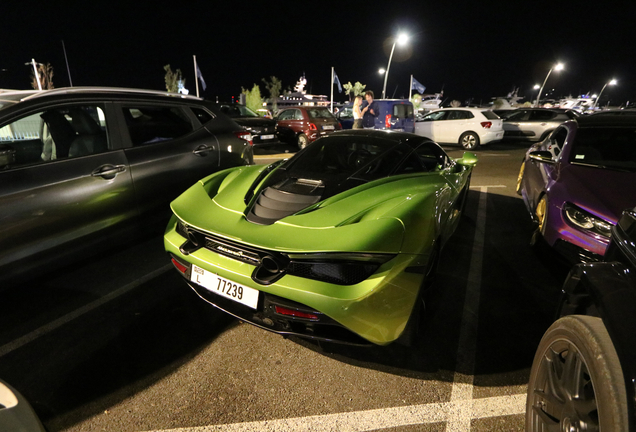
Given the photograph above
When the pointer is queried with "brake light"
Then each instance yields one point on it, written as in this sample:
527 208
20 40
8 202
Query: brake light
295 313
387 121
179 266
244 135
486 125
312 126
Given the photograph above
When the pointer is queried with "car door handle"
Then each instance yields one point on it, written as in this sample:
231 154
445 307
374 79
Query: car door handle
108 171
202 150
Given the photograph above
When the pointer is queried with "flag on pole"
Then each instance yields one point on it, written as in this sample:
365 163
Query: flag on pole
416 85
337 81
200 77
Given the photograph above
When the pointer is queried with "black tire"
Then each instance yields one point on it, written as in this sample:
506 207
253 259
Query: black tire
303 141
576 381
469 141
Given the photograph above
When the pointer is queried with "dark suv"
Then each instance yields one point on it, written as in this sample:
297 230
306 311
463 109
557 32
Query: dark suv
77 164
262 129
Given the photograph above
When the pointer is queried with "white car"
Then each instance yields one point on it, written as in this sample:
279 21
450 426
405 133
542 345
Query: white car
468 127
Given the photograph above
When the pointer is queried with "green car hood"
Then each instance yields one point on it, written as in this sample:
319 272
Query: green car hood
369 218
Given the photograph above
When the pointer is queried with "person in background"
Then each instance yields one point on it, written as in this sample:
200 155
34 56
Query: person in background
369 112
357 113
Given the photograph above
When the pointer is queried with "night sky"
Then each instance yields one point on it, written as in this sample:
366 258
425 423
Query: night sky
471 49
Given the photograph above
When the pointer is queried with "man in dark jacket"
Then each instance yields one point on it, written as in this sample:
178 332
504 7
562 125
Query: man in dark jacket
369 112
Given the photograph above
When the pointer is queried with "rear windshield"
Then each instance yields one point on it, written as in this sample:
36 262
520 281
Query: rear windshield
320 113
490 115
613 148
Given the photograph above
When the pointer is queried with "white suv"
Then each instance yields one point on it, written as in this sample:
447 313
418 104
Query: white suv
468 127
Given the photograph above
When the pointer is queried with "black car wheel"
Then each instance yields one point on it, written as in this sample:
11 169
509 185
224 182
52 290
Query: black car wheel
576 381
469 140
302 141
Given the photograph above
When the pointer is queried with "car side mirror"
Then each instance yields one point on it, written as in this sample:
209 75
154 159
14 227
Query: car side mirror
468 158
542 156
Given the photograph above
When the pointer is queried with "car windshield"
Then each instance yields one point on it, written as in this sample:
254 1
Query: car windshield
613 148
237 111
319 113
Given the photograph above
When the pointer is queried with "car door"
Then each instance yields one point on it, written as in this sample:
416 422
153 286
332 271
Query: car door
63 178
429 126
167 150
284 124
455 125
517 124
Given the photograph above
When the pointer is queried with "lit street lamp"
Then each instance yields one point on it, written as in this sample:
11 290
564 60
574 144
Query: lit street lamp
401 40
612 82
557 67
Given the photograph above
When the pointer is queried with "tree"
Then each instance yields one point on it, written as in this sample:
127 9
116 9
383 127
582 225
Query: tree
416 100
172 79
253 98
273 86
45 71
354 90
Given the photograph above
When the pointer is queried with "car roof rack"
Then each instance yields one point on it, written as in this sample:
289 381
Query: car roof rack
71 90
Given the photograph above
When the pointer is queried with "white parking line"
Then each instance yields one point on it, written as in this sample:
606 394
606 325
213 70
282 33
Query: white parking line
372 420
458 413
30 337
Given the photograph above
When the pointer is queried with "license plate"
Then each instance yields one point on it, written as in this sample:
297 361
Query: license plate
328 127
224 287
266 137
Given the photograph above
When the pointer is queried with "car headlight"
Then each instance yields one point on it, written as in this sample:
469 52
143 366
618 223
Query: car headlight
584 220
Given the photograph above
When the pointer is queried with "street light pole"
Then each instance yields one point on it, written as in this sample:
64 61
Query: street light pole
556 67
611 82
400 39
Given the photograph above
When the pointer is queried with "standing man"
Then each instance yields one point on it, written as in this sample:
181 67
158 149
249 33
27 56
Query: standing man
370 112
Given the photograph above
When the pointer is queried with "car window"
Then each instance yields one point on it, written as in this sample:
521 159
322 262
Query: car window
437 115
557 139
523 115
346 113
203 115
52 134
542 115
490 115
403 111
151 124
613 148
298 115
432 157
319 113
237 110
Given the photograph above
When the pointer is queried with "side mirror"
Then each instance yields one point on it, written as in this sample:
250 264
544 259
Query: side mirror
542 156
468 158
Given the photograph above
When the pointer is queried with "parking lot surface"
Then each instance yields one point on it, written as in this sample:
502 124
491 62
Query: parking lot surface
120 343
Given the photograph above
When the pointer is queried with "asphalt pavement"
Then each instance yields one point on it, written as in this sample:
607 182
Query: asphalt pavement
118 342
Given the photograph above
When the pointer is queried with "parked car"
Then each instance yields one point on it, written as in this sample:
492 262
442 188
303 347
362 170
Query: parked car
584 370
262 128
302 125
468 127
394 114
16 414
78 164
535 124
338 243
577 181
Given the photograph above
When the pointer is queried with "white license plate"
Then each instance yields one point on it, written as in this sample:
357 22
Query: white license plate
266 137
224 287
328 127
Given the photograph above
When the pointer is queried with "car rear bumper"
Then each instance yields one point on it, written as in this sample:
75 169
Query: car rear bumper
491 136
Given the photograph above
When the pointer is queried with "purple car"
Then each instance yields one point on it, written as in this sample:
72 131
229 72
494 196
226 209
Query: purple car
577 182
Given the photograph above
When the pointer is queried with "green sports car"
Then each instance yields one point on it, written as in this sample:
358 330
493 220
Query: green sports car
336 243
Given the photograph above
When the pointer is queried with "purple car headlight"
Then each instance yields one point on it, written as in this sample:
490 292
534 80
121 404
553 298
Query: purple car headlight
585 221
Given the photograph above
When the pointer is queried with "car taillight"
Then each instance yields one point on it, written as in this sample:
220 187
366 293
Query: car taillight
296 313
244 135
312 126
486 125
387 121
182 268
